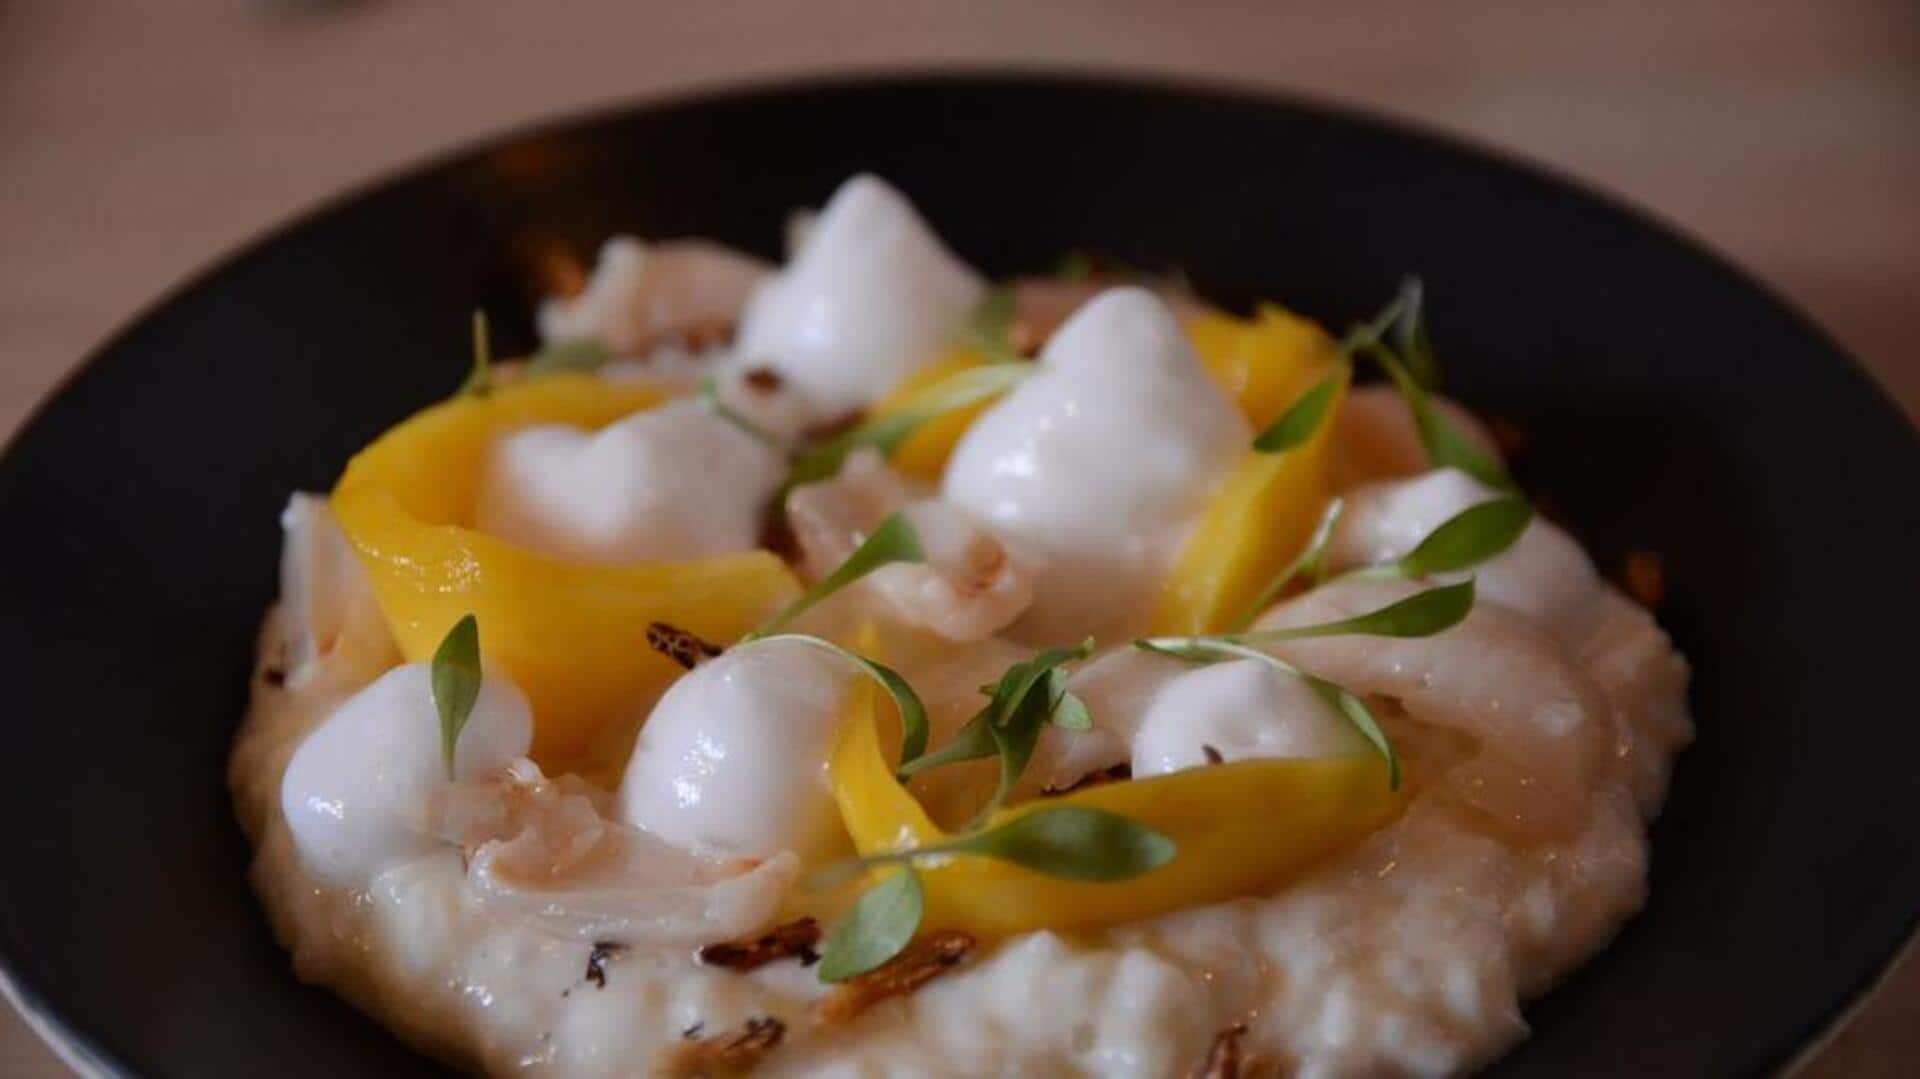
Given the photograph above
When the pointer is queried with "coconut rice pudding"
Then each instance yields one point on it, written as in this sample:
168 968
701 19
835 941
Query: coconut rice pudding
861 667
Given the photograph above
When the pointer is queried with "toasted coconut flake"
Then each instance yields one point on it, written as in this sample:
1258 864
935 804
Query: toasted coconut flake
794 940
733 1052
920 962
1224 1059
763 379
679 645
1644 576
603 950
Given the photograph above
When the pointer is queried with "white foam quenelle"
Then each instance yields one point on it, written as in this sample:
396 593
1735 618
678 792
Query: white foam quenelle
355 793
1100 463
675 482
1242 710
733 760
1544 575
870 298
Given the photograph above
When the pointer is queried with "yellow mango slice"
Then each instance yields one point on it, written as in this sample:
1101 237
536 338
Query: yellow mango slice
571 635
1262 517
1264 362
924 453
1241 829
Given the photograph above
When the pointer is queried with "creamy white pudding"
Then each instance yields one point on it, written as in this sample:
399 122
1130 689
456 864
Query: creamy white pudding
416 854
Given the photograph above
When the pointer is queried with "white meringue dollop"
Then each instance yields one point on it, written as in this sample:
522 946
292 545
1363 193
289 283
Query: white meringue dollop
355 793
870 298
1100 463
672 483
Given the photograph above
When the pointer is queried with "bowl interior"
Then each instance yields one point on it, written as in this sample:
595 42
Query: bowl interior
1673 406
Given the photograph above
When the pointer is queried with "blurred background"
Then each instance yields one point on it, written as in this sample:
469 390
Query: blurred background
140 139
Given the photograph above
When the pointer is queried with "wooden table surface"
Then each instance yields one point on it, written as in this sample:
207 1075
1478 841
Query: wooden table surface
141 138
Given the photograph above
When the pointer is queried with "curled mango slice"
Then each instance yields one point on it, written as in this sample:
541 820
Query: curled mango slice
1261 518
571 635
1263 362
1240 828
924 453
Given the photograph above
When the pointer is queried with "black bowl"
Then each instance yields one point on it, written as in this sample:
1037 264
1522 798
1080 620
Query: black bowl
1674 404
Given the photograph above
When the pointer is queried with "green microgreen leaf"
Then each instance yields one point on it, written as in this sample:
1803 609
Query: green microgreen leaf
1069 711
1302 419
1409 334
913 712
1073 843
885 433
579 354
710 399
1446 445
1015 742
894 541
881 923
1343 700
971 742
989 327
1068 842
1351 706
1018 705
1468 538
1311 561
455 678
1017 684
1422 614
479 379
1397 340
1026 697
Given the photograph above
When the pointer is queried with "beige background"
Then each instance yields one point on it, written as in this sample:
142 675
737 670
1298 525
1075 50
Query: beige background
139 139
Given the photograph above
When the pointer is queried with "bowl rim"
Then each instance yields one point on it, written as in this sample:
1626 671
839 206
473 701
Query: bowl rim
84 1052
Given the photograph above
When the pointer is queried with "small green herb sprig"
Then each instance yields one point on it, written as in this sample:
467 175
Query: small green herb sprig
1026 697
479 380
894 540
455 678
1475 535
1398 341
1067 842
1304 417
1310 563
710 400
